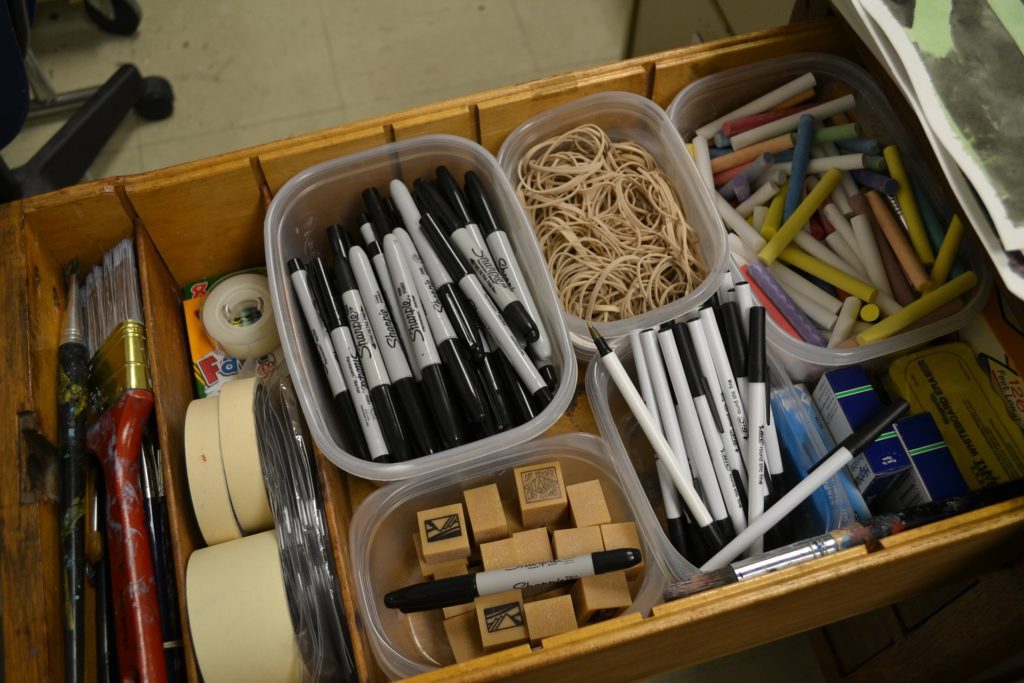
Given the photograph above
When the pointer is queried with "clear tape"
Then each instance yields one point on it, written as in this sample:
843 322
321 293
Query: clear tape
311 584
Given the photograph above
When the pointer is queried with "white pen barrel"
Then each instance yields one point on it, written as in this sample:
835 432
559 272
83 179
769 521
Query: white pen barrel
352 370
322 341
412 315
380 318
540 574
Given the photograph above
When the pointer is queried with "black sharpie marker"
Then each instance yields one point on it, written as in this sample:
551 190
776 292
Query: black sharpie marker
459 590
480 262
489 314
377 378
348 356
328 359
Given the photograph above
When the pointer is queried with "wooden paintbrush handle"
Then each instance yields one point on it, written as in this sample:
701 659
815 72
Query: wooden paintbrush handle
117 439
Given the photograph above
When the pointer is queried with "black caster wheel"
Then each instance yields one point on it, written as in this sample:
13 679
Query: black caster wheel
156 99
120 17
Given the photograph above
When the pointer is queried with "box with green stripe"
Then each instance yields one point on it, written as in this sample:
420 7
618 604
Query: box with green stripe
933 473
847 400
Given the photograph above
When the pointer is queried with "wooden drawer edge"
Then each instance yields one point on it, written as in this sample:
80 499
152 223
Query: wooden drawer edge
715 624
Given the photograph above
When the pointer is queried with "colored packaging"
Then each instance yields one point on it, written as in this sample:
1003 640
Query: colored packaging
847 401
997 339
211 367
933 474
946 381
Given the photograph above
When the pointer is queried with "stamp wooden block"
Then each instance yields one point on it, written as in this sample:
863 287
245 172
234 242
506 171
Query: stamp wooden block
532 546
549 617
426 568
512 515
443 533
464 636
623 535
587 505
498 554
541 489
572 542
600 597
500 620
486 514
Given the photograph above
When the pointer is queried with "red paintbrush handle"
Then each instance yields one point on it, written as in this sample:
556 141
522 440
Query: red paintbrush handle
117 439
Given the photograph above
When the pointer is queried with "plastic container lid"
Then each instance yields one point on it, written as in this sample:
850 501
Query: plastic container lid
383 555
626 116
295 226
711 96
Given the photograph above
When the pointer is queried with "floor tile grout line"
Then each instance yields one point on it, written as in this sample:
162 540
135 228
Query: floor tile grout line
335 76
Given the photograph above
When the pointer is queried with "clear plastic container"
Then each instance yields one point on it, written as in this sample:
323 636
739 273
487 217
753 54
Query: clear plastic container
830 507
626 116
711 96
329 192
384 558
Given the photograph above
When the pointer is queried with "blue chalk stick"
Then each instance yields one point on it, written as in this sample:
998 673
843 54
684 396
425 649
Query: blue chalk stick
798 170
722 140
719 151
876 181
860 146
935 228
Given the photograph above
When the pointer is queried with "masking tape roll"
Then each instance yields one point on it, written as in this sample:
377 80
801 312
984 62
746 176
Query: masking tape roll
242 456
227 301
238 612
205 466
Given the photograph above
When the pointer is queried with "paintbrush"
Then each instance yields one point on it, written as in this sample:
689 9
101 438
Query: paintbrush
121 396
72 376
867 534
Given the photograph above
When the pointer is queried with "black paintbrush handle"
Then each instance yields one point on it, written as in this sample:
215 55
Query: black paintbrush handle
72 375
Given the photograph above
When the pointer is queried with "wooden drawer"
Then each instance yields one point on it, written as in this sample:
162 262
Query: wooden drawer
205 217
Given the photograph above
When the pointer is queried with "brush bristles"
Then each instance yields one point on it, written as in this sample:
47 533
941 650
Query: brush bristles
111 294
700 582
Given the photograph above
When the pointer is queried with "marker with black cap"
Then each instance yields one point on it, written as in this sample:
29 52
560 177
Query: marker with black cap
675 524
377 378
730 483
757 414
489 315
508 265
705 523
490 373
520 397
348 356
380 267
384 329
422 257
479 261
328 359
735 345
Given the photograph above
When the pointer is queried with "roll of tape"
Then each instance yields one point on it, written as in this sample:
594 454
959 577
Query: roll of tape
238 612
205 466
227 302
242 457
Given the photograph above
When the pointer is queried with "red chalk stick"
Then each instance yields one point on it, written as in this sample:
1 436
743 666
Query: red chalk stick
746 123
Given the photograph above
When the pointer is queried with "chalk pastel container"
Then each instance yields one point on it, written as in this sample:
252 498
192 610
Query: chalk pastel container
329 192
384 557
626 116
714 95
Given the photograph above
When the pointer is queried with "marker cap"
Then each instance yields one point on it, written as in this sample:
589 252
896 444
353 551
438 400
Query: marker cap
375 209
436 205
453 193
757 369
480 204
327 304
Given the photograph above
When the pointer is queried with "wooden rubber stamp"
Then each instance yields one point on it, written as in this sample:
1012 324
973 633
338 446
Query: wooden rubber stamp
443 533
541 490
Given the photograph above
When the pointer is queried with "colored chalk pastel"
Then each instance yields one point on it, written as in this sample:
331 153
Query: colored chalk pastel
901 289
845 321
869 313
746 123
769 307
947 252
915 226
839 245
716 152
789 123
835 277
702 158
769 99
789 308
835 133
918 309
773 219
818 315
792 282
759 197
799 218
934 226
876 181
721 140
875 163
860 145
901 246
735 222
796 99
798 167
777 178
748 154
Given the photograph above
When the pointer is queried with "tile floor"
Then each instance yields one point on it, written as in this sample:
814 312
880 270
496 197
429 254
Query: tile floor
251 71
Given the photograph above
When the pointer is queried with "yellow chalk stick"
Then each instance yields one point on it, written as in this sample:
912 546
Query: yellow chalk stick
947 252
831 275
914 311
911 214
799 218
869 313
774 218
